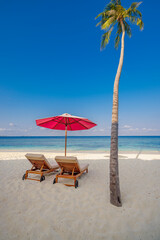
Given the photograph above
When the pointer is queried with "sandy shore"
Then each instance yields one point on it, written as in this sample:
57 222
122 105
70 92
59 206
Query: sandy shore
32 210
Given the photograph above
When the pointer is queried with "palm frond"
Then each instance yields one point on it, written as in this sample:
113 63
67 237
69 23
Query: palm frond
118 33
140 23
116 2
117 41
99 15
127 28
108 23
119 28
111 12
106 38
132 11
135 5
133 19
137 21
103 20
110 6
138 13
114 13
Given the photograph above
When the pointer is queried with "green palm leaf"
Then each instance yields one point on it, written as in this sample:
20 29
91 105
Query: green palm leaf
118 33
108 23
106 38
127 29
117 41
140 23
114 13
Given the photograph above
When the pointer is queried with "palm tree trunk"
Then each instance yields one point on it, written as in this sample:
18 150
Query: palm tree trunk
115 196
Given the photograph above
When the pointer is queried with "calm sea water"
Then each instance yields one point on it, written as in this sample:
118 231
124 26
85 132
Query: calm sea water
78 143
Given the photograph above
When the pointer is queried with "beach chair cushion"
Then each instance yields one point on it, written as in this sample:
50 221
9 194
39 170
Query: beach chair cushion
38 160
68 163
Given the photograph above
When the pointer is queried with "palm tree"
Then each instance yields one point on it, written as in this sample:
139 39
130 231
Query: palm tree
114 14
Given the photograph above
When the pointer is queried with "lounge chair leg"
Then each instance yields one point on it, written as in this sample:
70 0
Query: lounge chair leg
23 176
42 178
76 183
56 179
26 175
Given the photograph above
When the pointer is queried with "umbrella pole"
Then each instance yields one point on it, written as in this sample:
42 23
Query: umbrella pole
65 140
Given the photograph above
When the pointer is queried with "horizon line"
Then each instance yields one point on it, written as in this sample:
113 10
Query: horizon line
89 136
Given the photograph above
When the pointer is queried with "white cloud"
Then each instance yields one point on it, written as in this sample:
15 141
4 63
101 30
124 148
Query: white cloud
13 130
11 124
98 130
3 129
102 130
150 129
127 126
133 129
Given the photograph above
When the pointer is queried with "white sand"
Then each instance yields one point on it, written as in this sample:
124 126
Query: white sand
31 210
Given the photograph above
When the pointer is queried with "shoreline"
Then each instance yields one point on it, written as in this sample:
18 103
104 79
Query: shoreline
81 151
83 155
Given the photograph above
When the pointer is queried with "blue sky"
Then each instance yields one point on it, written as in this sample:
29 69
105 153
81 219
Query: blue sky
51 63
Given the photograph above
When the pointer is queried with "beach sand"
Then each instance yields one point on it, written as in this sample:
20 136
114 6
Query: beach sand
30 210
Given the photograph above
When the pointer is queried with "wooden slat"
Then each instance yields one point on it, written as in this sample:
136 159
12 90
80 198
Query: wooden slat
33 179
69 165
40 164
38 159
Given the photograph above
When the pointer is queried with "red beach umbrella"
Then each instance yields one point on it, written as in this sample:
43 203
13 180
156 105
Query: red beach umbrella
66 122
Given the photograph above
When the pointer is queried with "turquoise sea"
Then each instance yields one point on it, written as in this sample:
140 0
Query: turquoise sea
78 143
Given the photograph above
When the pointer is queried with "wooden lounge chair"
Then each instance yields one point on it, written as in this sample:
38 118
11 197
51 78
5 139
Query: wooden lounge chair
40 166
70 168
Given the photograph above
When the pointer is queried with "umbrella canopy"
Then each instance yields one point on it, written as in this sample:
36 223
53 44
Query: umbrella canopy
66 122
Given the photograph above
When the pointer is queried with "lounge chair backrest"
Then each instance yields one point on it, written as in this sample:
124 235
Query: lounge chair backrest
38 160
68 163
